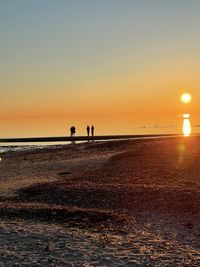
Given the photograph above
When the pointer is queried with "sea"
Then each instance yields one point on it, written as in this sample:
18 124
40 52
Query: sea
103 126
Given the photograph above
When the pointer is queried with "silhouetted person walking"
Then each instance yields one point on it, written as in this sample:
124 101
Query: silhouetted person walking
88 130
92 131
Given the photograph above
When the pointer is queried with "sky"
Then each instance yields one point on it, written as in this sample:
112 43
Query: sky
102 61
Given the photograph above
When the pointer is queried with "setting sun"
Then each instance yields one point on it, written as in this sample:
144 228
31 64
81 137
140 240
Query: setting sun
186 98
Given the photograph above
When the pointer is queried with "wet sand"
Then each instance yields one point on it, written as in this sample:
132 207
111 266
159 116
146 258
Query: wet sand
116 203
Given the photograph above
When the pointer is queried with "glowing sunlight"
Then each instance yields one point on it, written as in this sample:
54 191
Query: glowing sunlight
186 125
186 98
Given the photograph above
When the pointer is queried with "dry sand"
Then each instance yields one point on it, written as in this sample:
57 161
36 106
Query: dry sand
117 203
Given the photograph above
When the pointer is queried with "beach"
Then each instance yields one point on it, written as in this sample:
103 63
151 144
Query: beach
111 203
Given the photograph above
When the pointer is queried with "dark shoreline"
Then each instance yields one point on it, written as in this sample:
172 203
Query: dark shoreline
83 138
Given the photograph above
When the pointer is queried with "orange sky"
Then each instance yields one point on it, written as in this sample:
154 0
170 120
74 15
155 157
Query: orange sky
126 60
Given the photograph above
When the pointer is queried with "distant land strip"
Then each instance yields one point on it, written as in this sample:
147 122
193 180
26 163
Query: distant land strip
82 138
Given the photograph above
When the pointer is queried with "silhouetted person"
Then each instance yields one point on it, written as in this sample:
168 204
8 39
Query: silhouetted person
88 130
92 131
72 131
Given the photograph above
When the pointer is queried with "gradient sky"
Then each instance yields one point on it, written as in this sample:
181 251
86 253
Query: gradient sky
87 58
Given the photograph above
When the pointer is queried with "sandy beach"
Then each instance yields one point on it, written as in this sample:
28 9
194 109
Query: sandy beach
113 203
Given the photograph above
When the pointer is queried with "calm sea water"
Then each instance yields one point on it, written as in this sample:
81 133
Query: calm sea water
29 147
103 126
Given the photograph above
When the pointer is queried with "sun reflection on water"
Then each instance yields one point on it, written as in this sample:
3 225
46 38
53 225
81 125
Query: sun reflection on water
186 125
